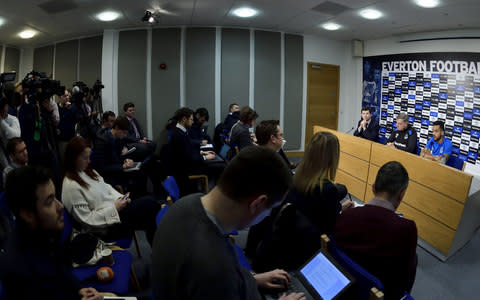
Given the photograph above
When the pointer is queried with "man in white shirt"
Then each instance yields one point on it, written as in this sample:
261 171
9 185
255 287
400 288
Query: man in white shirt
18 154
9 128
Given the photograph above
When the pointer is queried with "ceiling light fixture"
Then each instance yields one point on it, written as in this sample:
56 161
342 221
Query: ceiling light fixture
427 3
371 14
331 26
149 18
27 34
2 21
108 16
245 12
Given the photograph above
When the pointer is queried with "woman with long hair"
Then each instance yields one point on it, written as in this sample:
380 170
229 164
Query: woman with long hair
310 209
95 205
315 193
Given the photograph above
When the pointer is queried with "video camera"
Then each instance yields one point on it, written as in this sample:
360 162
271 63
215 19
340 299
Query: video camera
37 86
97 87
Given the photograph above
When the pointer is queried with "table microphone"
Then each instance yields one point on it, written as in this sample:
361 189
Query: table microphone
350 130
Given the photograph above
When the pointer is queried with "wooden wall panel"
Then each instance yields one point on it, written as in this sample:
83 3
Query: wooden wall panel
448 181
433 204
355 187
350 144
432 231
353 166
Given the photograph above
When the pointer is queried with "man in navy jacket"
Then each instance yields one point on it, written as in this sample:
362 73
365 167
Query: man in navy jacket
367 128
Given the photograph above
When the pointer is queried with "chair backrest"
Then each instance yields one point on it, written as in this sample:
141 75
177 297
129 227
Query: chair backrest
160 214
67 227
407 296
170 185
455 162
368 286
224 151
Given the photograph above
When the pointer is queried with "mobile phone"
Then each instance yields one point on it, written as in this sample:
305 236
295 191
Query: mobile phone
126 196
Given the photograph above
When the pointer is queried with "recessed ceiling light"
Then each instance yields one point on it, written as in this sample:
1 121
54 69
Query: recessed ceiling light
427 3
27 34
108 16
245 12
331 26
370 14
2 21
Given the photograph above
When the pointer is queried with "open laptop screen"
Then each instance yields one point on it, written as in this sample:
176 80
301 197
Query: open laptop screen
327 280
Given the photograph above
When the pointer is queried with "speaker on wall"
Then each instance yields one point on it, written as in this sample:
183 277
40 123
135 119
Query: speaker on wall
357 48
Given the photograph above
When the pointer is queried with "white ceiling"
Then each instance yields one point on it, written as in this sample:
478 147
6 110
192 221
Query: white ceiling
291 16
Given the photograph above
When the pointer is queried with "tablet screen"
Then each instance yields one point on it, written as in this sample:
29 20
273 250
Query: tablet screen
327 280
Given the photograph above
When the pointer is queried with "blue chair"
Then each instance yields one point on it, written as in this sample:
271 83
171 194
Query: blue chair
455 162
122 268
170 185
161 213
242 260
368 286
2 292
407 296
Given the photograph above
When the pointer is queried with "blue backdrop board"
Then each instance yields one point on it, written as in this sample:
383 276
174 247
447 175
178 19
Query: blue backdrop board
428 87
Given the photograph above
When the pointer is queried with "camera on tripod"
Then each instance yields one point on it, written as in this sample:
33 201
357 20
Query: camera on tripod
38 87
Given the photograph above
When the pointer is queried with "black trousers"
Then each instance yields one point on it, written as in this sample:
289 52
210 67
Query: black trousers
137 215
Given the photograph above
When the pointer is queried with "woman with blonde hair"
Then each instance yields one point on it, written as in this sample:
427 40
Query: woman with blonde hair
315 192
310 209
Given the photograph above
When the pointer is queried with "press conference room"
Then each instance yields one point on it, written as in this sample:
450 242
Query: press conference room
314 69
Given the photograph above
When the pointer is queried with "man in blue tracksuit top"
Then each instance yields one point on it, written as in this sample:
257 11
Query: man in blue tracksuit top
438 148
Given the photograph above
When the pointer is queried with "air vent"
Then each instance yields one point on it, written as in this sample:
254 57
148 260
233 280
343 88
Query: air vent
57 6
331 8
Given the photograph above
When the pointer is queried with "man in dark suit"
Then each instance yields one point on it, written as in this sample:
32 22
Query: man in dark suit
135 137
185 158
232 117
367 128
108 158
377 238
198 131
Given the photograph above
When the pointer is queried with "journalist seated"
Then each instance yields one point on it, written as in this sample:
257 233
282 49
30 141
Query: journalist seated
95 205
36 265
311 208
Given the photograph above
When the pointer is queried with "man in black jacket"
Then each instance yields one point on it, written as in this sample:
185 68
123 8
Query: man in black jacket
36 265
367 128
135 137
198 131
405 137
185 158
110 160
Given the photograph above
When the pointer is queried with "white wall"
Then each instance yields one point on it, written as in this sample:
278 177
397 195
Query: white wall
392 46
26 63
321 50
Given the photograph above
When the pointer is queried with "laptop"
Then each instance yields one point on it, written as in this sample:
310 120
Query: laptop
321 277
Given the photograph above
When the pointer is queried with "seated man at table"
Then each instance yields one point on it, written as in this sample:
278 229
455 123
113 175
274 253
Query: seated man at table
367 128
197 260
185 158
438 148
35 264
405 137
269 134
198 131
378 239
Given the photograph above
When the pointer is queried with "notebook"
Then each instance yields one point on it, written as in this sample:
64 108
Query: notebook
321 277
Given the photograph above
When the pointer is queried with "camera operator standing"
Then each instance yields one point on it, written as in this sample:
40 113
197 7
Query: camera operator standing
34 109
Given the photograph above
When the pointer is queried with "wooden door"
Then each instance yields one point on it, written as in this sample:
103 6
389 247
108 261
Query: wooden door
323 82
